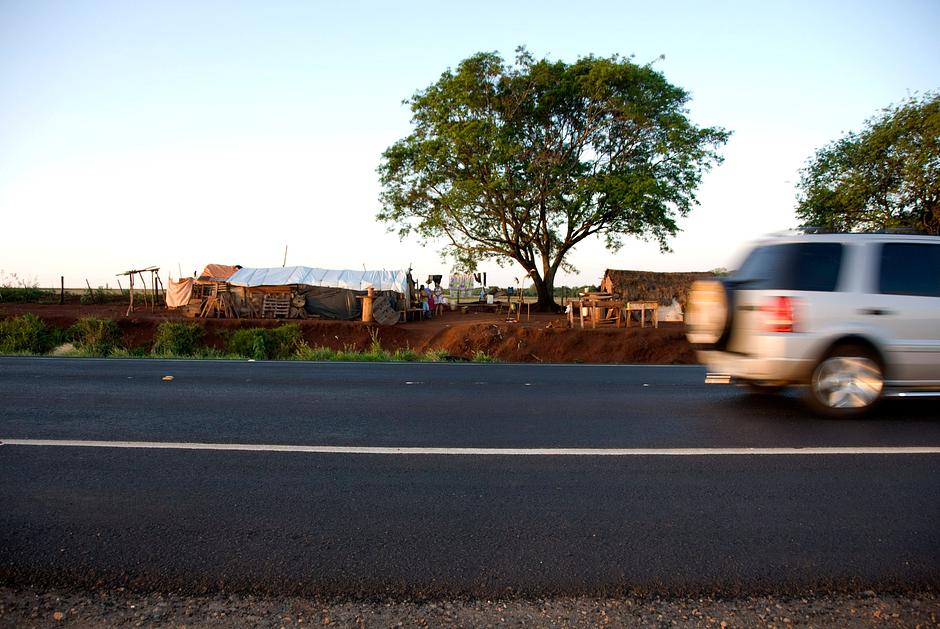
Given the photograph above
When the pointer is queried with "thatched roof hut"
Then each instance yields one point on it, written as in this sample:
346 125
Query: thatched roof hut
649 286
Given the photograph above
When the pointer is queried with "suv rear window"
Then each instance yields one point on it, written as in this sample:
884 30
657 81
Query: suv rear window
909 268
792 266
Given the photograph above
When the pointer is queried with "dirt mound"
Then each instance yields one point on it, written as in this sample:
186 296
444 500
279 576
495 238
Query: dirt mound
512 343
538 338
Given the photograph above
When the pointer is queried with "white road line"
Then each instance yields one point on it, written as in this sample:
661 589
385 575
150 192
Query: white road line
258 447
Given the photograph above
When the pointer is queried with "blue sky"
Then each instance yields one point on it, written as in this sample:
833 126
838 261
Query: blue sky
181 133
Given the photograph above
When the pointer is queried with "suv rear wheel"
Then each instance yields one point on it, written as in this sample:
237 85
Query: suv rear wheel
847 382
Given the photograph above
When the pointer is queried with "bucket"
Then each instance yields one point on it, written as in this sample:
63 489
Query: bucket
489 299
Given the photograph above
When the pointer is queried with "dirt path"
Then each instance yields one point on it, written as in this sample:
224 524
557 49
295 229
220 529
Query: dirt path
22 607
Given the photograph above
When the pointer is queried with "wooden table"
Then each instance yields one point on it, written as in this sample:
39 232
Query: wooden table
612 311
482 306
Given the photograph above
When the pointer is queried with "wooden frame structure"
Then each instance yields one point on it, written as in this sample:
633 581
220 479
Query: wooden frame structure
154 281
602 309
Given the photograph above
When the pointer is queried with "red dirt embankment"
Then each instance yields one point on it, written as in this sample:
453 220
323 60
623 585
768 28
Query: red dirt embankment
541 338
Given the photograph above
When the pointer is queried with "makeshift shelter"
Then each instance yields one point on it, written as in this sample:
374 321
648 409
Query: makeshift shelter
217 272
299 291
648 286
179 294
196 293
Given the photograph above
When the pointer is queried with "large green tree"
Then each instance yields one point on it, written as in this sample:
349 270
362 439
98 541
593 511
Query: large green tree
885 176
523 161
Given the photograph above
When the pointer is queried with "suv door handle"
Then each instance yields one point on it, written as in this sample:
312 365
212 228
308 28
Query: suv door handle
878 312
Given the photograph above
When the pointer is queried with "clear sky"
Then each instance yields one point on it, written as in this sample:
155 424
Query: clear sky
178 133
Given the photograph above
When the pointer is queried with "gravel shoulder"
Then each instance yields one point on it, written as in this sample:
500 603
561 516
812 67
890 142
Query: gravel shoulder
24 607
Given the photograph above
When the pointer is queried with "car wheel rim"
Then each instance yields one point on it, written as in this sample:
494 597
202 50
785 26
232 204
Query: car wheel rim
848 382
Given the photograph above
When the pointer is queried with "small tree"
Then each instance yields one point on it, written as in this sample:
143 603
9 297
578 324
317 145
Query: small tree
523 162
885 176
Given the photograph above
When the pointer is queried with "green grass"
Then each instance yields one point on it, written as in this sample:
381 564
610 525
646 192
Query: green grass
13 288
406 355
96 337
375 353
480 356
29 335
203 353
27 294
306 352
436 355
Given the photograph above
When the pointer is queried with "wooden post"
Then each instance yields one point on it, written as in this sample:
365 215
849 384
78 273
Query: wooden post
144 282
367 300
158 286
61 289
130 291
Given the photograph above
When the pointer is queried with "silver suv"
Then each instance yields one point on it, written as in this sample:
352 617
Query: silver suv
854 316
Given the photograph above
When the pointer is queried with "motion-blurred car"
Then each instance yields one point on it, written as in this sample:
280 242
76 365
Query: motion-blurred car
855 317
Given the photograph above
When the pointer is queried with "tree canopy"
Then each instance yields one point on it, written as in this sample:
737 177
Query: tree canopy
523 161
885 176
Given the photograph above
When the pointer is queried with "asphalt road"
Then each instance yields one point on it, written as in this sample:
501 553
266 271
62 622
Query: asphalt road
585 493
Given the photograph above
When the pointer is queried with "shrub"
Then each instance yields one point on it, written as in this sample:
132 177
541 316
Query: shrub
480 356
26 294
97 337
178 339
27 333
13 288
266 343
94 296
375 353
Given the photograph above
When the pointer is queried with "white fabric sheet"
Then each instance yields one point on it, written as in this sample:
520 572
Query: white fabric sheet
353 280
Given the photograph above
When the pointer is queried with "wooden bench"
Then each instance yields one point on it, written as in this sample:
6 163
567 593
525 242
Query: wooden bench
411 314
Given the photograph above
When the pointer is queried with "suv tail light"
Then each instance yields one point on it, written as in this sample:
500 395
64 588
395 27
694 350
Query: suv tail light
778 314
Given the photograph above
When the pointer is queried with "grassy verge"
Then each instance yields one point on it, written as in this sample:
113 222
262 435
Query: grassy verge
29 335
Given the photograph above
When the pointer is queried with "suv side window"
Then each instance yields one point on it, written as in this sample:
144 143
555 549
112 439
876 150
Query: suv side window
809 266
910 268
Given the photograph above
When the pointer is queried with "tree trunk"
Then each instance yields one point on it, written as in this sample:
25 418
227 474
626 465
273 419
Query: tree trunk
545 288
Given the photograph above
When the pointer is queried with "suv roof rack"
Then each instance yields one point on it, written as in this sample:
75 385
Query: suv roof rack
812 229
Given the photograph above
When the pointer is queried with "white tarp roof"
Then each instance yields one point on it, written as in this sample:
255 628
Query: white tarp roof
353 280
